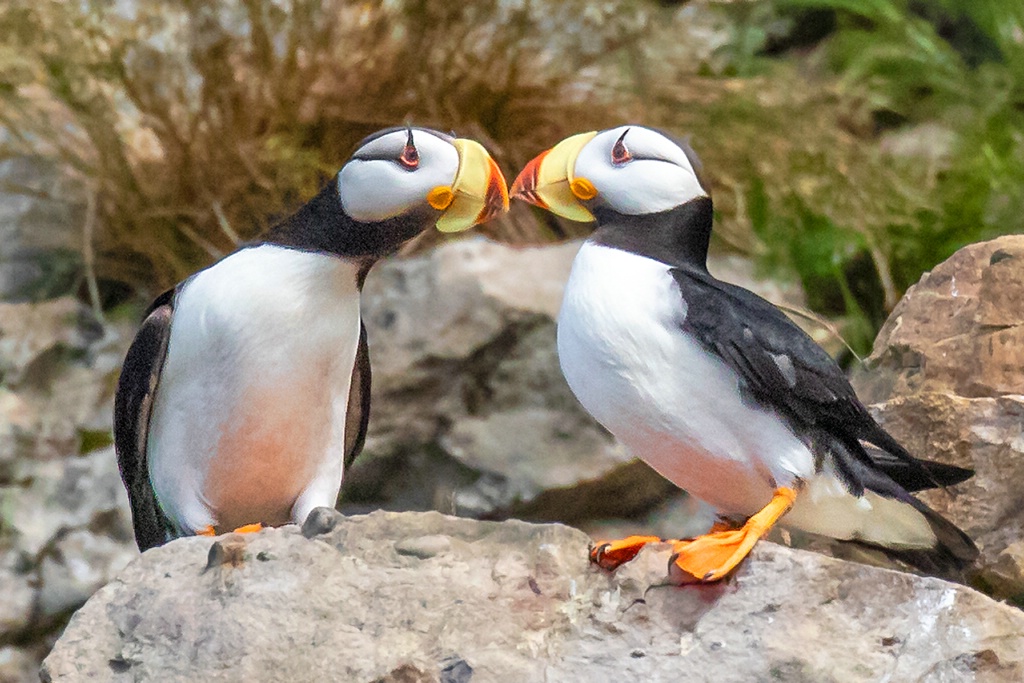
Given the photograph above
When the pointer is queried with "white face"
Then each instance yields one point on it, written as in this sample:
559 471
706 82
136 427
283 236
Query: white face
639 172
388 177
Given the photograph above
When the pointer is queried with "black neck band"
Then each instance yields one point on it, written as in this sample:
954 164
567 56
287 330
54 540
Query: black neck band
677 237
321 225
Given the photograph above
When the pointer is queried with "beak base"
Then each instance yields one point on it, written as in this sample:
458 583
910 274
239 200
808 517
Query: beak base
479 192
548 180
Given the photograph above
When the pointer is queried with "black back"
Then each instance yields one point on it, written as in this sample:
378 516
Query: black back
321 225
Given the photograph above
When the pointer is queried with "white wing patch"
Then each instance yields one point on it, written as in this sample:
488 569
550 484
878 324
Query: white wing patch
785 365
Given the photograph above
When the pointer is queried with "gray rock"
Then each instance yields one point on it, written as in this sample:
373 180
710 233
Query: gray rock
67 531
76 565
425 597
29 332
17 665
64 521
947 373
67 494
56 367
18 595
470 412
41 210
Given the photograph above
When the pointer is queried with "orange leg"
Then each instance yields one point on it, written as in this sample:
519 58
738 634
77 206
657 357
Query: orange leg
611 555
722 525
247 529
714 555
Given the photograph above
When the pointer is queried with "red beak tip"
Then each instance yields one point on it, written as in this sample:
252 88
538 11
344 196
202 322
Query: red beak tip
525 186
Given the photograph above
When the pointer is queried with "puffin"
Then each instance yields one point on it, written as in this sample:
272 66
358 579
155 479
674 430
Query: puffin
246 392
710 384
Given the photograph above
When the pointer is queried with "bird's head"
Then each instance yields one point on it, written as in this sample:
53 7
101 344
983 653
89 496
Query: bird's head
401 181
629 170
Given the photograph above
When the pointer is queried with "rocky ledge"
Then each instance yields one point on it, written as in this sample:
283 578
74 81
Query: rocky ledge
423 597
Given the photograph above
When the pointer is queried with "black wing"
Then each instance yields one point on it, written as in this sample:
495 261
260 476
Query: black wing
782 367
357 417
133 405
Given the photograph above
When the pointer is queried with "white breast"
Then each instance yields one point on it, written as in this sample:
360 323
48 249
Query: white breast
623 353
250 409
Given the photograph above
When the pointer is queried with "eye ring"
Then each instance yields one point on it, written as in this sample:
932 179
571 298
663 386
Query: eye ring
620 154
410 158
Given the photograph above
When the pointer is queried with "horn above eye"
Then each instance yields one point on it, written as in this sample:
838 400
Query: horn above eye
620 154
410 158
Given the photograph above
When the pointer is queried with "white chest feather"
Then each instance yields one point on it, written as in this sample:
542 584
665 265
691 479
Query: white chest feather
250 409
623 353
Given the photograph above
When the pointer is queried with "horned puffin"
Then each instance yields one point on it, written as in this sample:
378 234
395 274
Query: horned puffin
246 391
710 384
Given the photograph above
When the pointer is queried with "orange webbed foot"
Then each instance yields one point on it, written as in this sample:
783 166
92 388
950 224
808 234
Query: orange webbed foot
209 530
611 554
712 556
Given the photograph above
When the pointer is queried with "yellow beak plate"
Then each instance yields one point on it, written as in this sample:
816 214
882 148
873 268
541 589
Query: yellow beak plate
479 192
547 181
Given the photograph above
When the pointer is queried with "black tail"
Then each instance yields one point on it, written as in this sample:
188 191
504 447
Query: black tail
913 474
954 551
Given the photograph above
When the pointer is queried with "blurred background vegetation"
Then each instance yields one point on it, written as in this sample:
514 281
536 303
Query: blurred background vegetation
851 144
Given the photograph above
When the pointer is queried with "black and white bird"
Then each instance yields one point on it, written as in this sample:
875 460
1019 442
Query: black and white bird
246 392
710 384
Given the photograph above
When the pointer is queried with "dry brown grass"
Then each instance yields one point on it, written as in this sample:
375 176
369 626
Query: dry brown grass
194 124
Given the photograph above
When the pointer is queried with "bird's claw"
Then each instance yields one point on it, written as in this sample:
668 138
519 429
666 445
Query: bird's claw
612 554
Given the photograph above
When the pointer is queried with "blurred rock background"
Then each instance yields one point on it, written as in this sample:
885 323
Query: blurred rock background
851 147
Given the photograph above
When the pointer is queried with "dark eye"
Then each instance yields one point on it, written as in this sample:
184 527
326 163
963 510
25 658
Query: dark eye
410 158
620 154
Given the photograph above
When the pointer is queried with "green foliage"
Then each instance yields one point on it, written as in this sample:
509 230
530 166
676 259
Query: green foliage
807 148
956 64
90 440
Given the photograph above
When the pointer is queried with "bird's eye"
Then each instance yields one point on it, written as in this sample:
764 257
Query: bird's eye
410 158
620 154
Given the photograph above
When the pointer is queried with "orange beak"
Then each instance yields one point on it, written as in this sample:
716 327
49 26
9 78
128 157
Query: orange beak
549 180
496 196
525 185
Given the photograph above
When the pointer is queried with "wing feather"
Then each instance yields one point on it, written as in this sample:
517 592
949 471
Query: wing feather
133 406
357 417
780 366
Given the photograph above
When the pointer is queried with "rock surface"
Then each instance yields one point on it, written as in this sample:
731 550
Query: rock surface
421 597
947 373
64 525
468 400
959 330
40 241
